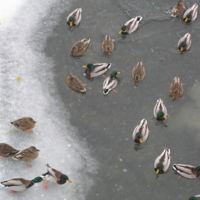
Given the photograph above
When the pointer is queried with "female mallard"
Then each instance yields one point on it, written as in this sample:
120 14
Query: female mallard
107 45
187 171
162 162
75 83
54 176
6 150
141 132
178 9
196 197
74 17
176 88
138 73
191 13
80 47
185 42
160 111
20 184
97 69
27 155
24 124
110 82
130 26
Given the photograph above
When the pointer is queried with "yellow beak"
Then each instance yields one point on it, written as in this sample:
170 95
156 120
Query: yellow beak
140 140
186 19
157 171
164 117
118 72
70 23
120 32
69 180
85 66
44 179
182 48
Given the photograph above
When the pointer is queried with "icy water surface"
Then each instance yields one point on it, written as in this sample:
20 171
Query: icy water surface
91 135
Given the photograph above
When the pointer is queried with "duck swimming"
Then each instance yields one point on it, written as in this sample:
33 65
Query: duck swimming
74 17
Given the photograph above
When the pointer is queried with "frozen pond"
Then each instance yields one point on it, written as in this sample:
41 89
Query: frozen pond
89 137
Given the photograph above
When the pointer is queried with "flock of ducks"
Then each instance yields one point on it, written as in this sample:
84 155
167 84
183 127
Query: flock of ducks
141 131
27 155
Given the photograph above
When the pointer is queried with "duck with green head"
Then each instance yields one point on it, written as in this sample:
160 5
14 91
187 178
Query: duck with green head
185 42
110 82
96 69
20 184
191 13
74 17
131 25
141 132
187 171
162 162
160 110
55 176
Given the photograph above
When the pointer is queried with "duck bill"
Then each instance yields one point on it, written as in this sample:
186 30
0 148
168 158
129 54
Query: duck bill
44 179
140 140
157 171
69 180
164 117
85 66
186 19
120 32
118 72
182 48
70 23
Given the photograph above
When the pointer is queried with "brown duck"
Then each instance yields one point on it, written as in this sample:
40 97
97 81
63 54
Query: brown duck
80 47
24 124
27 155
107 45
6 150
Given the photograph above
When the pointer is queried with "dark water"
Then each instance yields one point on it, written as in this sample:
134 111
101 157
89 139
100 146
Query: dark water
106 123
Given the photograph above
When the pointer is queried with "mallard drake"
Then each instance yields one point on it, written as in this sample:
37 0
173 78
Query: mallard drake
176 88
141 132
74 17
55 176
110 82
108 45
178 9
191 13
185 42
27 155
80 47
75 83
160 111
162 162
20 184
97 69
196 197
130 26
138 73
187 171
24 124
6 150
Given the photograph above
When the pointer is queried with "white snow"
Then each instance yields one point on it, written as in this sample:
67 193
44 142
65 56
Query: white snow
22 42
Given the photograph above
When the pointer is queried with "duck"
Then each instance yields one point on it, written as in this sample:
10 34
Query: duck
187 171
196 197
178 9
110 82
131 25
141 132
176 88
185 42
20 184
191 13
160 111
138 73
162 162
96 69
27 155
74 17
75 83
108 45
55 176
80 47
7 151
24 124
